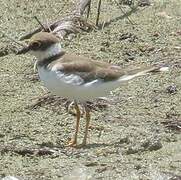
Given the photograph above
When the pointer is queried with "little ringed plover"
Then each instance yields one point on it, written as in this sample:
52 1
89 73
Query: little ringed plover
77 78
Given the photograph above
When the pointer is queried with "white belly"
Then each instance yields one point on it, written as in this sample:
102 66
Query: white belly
71 87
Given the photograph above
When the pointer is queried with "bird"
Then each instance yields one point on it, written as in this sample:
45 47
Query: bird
77 78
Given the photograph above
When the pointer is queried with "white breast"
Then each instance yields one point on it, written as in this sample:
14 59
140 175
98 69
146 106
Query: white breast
73 87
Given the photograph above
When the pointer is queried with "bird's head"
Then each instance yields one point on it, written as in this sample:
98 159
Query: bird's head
42 45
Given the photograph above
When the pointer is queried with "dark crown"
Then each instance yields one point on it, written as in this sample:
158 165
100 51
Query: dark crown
42 40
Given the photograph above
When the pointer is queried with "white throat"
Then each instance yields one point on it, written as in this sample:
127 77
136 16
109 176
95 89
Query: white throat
53 50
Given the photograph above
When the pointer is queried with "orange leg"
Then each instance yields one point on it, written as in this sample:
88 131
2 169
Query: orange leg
73 141
87 114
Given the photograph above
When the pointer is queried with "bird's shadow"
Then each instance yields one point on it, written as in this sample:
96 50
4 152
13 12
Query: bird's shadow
96 145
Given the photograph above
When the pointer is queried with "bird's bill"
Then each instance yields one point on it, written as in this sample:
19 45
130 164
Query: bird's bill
24 50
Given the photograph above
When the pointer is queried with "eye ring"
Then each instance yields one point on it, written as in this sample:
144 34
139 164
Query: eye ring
35 45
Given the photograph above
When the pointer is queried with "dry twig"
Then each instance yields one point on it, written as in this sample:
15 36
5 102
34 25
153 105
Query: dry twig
12 39
98 12
28 151
74 23
42 26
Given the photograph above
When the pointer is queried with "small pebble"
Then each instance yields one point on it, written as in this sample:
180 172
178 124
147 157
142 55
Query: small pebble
172 89
10 178
79 173
153 146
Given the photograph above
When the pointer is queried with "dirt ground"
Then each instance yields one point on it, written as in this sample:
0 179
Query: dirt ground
137 133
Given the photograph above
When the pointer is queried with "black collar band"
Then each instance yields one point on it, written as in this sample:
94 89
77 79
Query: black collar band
47 61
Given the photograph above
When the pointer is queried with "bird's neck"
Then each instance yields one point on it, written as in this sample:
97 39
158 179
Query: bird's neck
50 54
53 50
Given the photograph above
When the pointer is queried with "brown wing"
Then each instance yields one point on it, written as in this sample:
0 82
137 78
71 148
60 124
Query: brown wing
88 69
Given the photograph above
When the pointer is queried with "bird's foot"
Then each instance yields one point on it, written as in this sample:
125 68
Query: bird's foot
72 143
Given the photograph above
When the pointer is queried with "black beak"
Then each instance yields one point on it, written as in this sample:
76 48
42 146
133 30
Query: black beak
24 50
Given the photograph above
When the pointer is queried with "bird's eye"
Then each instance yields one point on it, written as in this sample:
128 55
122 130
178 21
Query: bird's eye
35 45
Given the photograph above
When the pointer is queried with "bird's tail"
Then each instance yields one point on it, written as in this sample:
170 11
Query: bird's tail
140 72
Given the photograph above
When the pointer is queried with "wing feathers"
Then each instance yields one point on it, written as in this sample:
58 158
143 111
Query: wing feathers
81 70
